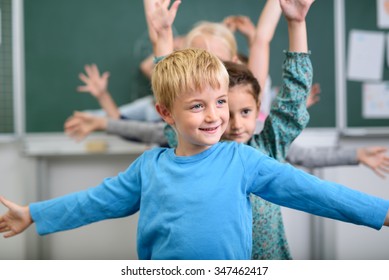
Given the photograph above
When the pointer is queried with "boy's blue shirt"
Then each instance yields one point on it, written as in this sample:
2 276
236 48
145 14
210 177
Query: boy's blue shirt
198 207
288 117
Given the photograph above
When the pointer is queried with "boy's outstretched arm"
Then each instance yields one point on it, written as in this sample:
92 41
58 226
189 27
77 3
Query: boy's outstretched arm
16 220
97 85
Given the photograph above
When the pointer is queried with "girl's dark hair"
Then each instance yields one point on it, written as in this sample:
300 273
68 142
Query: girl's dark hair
239 74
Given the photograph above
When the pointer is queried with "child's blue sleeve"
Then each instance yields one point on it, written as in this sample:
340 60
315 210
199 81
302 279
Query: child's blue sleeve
285 185
114 198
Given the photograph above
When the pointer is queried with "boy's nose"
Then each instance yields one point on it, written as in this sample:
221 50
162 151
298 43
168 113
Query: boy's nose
212 114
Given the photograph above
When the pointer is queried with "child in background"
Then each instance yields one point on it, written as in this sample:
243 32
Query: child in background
142 109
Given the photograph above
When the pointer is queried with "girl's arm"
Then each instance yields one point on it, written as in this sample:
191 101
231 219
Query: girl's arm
295 13
145 132
260 44
288 115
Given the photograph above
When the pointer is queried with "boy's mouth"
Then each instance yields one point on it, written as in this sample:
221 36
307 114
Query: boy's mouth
210 129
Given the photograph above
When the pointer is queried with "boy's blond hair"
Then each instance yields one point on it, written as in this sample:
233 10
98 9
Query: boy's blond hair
187 71
206 30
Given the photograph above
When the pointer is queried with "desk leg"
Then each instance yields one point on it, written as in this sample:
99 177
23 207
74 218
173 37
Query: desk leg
38 247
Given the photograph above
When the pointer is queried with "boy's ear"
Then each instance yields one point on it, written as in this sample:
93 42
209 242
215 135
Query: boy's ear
164 113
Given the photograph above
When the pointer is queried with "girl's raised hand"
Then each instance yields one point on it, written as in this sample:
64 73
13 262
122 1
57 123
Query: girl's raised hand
295 10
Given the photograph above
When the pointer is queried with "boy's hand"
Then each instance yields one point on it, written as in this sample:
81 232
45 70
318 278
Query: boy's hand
16 220
295 10
94 83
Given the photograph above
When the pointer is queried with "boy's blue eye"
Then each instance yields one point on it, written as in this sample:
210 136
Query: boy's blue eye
197 106
222 101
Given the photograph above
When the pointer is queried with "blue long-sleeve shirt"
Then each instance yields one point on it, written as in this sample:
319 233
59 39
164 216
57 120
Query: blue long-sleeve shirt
198 207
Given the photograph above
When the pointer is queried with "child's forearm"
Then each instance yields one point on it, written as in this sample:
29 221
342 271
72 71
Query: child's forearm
298 41
164 44
268 21
259 58
146 132
109 106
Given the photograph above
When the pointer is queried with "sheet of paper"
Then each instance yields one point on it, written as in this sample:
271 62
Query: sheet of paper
375 98
366 55
383 13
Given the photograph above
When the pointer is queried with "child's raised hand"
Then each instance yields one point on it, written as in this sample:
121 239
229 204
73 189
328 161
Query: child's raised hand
162 17
94 83
375 158
230 23
16 220
81 124
295 10
245 26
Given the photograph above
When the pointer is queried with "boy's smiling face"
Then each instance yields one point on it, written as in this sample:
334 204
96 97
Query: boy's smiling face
199 118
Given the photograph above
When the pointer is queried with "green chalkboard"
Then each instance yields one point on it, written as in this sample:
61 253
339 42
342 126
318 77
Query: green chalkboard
361 15
62 36
6 88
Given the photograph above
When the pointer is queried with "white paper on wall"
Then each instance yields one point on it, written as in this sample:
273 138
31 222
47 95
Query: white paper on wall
383 13
365 55
375 97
